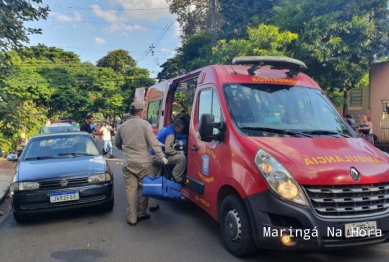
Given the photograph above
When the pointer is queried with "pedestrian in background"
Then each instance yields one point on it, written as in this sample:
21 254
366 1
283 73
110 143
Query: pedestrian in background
45 127
75 125
351 122
134 138
86 126
106 136
367 129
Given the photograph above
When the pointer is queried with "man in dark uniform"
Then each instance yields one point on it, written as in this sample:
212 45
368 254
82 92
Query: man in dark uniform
351 122
86 126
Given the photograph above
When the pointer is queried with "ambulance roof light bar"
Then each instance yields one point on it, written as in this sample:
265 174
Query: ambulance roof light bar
276 62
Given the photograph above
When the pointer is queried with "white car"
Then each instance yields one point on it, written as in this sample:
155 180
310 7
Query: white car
60 127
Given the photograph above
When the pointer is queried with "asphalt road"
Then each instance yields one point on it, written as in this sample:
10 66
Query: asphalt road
178 231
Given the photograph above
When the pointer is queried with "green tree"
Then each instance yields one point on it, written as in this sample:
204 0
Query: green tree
264 40
13 33
338 39
119 60
170 69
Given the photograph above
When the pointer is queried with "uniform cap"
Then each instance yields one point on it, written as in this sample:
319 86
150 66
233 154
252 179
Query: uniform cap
136 105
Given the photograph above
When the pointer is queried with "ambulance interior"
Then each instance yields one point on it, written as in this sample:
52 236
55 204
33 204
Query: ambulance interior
182 106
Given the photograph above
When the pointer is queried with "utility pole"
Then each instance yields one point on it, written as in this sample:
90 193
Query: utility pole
213 15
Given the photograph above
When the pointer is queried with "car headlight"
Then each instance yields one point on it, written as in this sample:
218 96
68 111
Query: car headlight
23 186
279 178
99 178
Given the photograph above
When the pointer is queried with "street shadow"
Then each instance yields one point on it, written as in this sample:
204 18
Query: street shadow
200 217
76 215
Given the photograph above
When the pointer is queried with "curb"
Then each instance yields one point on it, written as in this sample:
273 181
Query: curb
3 197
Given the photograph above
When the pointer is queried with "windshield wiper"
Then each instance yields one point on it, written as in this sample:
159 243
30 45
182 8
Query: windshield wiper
325 132
275 130
76 154
38 158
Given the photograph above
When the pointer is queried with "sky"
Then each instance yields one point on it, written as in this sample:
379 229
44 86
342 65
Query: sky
92 28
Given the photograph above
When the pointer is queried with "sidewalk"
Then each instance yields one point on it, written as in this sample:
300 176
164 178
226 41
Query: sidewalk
7 170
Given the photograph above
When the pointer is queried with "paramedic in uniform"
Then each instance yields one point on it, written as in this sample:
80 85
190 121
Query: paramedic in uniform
167 136
135 137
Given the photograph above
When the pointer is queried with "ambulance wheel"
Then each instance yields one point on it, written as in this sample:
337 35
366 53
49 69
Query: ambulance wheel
236 227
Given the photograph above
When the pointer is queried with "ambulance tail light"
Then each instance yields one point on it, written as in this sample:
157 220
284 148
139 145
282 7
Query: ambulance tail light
279 179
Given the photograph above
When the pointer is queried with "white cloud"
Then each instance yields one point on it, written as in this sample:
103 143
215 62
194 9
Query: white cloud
110 16
100 41
122 26
159 11
65 18
124 34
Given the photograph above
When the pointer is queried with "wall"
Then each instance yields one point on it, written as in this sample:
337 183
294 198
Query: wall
358 112
379 90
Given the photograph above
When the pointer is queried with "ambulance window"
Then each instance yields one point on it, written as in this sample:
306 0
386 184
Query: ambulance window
209 104
152 112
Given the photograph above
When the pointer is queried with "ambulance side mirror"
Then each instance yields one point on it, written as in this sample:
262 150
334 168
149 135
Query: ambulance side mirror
206 128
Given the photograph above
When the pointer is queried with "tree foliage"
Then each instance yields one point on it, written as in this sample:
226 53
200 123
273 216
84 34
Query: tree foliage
266 40
13 33
48 82
338 40
119 60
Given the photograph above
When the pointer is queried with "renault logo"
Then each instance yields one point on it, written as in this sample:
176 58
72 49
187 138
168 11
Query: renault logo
354 174
64 182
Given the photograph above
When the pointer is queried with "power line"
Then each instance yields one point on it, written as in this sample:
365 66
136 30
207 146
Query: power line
114 23
113 9
158 39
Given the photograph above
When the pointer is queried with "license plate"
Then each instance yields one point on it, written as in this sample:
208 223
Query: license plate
65 196
361 229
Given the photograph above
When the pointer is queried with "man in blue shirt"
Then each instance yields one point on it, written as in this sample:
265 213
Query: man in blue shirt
167 137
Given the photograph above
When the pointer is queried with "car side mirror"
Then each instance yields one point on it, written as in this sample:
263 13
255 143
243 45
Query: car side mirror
206 127
12 157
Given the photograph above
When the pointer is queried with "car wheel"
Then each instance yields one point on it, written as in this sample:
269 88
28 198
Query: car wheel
236 227
107 207
20 218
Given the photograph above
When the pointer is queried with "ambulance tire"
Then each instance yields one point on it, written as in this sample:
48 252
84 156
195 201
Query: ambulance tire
236 227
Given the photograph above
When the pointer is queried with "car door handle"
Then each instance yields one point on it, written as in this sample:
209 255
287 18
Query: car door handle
194 148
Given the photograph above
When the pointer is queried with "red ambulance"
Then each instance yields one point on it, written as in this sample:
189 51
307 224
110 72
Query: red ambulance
271 159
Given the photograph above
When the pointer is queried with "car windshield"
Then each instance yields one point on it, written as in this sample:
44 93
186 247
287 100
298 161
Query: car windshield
274 110
62 128
48 147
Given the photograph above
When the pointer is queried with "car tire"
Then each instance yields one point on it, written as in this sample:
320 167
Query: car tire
108 207
236 227
20 218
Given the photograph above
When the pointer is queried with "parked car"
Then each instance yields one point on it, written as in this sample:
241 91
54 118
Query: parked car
60 127
58 172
